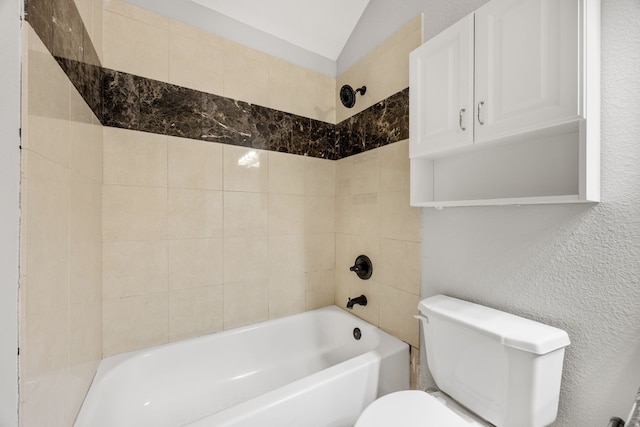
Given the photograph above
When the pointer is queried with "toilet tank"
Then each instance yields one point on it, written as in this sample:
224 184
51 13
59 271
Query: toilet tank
505 368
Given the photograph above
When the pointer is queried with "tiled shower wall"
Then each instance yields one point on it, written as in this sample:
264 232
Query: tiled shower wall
201 237
187 237
258 240
60 243
373 215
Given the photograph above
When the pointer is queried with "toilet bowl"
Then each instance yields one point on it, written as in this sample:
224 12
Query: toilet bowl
493 369
413 408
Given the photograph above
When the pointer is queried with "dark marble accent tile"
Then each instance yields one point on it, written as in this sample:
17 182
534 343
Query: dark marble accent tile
39 13
351 139
371 125
397 116
333 147
90 56
60 27
319 143
127 101
227 121
383 123
169 109
68 31
273 129
300 131
87 79
120 100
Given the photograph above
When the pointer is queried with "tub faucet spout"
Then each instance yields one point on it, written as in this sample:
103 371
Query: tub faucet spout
362 300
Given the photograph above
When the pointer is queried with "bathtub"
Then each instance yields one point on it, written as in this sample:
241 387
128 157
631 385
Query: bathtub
304 370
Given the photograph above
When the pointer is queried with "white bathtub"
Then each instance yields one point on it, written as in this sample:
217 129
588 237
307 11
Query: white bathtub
305 370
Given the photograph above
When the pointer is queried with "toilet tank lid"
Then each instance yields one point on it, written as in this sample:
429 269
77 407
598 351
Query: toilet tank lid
511 330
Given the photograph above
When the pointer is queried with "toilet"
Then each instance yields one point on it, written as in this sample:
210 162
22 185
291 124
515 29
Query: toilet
492 369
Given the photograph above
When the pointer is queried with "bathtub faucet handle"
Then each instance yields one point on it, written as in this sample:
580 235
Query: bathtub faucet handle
362 267
362 300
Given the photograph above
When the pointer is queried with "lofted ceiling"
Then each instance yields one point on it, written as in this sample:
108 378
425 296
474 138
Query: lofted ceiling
322 27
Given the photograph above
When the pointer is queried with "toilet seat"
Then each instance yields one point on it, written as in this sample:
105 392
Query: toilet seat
410 408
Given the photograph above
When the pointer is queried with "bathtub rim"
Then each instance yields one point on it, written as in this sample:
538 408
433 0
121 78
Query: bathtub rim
387 347
109 363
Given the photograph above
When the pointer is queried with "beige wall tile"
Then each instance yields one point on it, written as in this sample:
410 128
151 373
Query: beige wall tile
365 214
85 338
195 214
320 214
245 303
49 137
286 173
358 174
134 213
344 255
398 220
134 268
343 214
195 312
134 158
243 65
124 8
343 289
85 150
85 10
146 56
79 111
61 232
194 164
320 289
97 30
286 255
245 259
399 265
396 314
291 87
45 219
45 341
245 169
195 263
394 163
48 88
320 176
384 70
344 172
286 214
196 63
47 401
365 172
320 252
286 294
135 322
245 214
85 241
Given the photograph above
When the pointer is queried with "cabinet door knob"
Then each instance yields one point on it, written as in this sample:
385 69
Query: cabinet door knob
480 105
462 111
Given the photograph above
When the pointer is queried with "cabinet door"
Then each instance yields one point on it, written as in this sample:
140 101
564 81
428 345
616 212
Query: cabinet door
441 91
527 64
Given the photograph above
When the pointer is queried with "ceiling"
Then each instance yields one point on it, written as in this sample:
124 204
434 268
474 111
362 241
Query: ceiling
319 26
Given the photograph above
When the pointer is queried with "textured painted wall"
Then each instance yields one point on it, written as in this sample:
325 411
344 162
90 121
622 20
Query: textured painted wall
575 267
9 210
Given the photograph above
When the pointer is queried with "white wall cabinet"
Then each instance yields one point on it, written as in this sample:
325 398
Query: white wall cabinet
442 90
505 107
